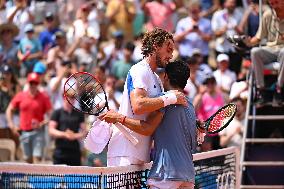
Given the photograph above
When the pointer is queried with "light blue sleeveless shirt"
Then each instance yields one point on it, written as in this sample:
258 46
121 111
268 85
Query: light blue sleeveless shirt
174 143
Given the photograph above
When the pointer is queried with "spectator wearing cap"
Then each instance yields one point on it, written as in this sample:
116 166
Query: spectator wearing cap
61 51
30 49
9 49
40 70
193 32
46 37
224 77
86 55
9 86
32 111
121 15
166 10
82 26
121 67
20 14
208 100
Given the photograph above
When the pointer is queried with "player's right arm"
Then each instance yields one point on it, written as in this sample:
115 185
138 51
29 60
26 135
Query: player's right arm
146 128
142 104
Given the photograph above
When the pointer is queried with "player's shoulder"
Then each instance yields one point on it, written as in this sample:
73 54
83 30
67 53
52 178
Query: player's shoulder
139 69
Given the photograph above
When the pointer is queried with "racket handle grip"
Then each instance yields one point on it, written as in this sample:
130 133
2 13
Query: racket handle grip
126 133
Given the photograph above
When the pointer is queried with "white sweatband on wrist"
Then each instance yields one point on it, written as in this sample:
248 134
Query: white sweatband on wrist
169 98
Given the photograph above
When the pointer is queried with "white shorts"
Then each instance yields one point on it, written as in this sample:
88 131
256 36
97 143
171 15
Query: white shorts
165 184
123 161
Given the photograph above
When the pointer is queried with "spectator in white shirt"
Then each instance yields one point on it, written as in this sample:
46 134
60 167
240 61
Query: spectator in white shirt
224 77
224 24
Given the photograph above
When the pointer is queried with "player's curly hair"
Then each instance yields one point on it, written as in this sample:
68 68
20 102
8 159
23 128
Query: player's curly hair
154 38
178 73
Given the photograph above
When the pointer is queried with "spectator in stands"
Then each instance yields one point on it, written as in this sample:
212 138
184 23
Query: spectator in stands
41 7
9 87
191 87
86 55
30 49
232 135
224 24
9 49
271 28
121 14
67 127
113 51
82 26
164 19
203 68
40 70
208 7
224 77
3 12
208 100
61 51
250 20
56 84
32 111
20 15
46 37
114 96
193 32
121 67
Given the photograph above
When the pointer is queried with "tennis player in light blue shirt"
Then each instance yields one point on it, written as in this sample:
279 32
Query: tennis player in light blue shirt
174 132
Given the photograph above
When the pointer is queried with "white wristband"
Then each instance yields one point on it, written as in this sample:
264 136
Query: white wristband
169 98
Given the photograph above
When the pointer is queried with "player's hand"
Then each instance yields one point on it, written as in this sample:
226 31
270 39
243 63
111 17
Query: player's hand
181 99
200 137
111 116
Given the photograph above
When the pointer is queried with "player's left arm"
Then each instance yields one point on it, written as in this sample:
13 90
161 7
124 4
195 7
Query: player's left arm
142 127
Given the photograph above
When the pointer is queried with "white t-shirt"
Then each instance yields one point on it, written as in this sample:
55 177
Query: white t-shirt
57 96
139 76
236 140
226 79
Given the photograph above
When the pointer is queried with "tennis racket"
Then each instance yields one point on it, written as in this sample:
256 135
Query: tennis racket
86 94
220 120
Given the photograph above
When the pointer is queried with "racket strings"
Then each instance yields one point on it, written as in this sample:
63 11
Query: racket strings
221 118
85 90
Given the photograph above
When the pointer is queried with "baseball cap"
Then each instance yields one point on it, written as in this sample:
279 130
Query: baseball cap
222 57
98 137
6 69
33 77
49 16
58 34
28 28
39 68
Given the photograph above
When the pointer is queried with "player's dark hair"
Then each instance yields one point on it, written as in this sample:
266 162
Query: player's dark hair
178 73
154 38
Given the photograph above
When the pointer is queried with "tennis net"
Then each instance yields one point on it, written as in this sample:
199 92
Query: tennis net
214 169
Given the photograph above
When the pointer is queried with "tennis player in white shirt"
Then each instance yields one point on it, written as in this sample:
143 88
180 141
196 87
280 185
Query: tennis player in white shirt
141 88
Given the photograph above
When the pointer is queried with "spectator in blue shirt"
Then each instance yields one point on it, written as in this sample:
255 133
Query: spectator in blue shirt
30 49
46 37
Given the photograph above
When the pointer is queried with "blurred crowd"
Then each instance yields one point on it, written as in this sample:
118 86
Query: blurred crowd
42 42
